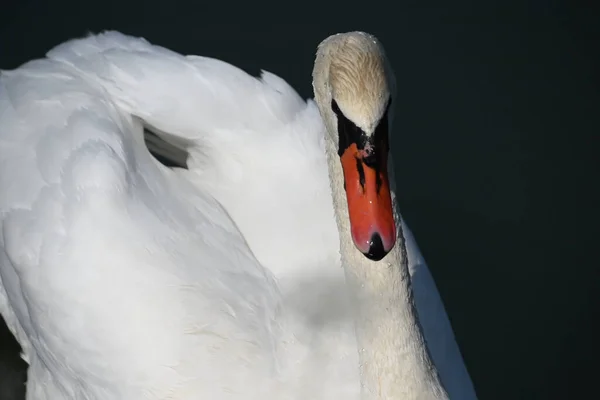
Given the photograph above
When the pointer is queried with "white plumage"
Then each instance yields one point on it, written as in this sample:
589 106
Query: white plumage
123 279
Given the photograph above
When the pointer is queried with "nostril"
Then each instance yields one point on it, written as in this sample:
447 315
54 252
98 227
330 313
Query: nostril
376 251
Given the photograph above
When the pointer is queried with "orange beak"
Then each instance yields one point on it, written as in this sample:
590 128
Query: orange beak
369 201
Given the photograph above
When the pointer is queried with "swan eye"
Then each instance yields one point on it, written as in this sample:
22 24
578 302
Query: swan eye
348 132
336 108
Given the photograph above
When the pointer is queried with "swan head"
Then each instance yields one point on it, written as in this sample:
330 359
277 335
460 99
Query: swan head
353 84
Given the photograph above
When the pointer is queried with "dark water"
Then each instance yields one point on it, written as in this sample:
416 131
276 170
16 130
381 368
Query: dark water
496 118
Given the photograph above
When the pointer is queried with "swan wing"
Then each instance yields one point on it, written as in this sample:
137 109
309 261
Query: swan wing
186 98
118 277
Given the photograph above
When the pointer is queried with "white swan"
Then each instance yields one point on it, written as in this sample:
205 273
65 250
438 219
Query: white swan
124 279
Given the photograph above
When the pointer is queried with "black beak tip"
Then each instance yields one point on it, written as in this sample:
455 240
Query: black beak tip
376 251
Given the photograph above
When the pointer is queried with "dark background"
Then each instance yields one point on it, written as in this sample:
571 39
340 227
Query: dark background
496 124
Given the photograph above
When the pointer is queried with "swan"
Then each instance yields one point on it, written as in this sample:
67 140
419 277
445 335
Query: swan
122 278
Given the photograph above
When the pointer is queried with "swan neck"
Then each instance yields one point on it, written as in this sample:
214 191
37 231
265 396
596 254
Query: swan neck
394 360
